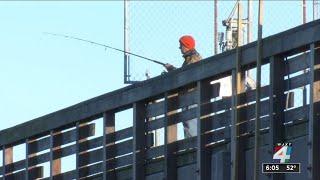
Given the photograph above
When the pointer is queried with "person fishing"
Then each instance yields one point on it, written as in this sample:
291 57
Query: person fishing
190 55
188 51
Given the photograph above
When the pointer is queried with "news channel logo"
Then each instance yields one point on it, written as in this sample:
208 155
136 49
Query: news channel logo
281 157
282 152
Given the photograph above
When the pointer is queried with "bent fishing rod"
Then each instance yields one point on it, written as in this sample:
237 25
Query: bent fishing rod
106 46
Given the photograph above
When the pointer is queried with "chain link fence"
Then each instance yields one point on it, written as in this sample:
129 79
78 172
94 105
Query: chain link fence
156 26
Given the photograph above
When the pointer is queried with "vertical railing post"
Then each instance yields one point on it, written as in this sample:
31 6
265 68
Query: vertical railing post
203 157
9 158
27 160
257 165
9 155
200 140
237 153
314 118
108 145
104 150
51 156
78 142
237 145
3 163
170 135
77 152
139 140
56 163
29 156
238 86
277 103
234 129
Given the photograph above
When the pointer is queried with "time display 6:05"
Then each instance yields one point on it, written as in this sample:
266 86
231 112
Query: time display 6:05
281 168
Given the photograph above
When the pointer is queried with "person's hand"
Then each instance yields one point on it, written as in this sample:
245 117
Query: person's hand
169 67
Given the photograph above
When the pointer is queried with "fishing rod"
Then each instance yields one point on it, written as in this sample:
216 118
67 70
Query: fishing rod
106 46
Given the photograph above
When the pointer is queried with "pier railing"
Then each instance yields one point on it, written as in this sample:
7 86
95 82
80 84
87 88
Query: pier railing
164 102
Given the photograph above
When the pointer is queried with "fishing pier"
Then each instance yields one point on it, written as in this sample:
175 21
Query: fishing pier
225 143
